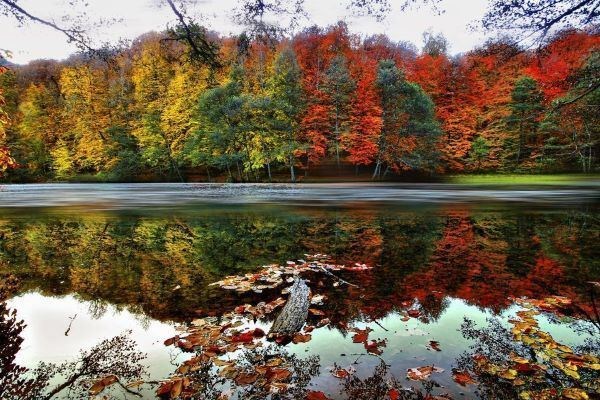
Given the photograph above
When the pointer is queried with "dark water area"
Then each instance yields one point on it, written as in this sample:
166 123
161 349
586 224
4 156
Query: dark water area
94 261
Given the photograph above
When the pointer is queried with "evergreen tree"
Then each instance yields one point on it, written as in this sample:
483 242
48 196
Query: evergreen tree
410 130
339 87
286 92
526 110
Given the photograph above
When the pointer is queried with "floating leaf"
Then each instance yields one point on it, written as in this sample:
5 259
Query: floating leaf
462 377
361 335
244 378
340 373
313 395
301 338
434 345
422 373
102 384
575 394
373 347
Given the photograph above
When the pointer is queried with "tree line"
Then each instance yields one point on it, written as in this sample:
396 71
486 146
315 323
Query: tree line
322 100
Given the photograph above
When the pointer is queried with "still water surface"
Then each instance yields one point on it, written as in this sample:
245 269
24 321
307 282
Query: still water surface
94 261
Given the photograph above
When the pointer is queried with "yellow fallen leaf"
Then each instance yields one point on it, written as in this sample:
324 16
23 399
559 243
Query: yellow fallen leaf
575 394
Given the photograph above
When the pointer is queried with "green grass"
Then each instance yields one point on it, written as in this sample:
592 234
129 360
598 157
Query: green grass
516 179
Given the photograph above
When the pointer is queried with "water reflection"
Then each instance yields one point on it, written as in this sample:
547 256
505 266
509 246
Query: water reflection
129 271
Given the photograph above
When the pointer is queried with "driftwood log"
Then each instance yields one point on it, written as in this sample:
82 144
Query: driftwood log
294 313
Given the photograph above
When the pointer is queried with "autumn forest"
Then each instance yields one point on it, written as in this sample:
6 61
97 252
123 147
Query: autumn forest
325 102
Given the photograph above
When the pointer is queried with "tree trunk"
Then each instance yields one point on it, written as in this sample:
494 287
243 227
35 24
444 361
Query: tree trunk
294 313
377 170
292 171
269 171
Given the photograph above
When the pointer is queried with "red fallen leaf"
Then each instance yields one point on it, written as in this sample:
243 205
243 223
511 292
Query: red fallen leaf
240 309
373 347
246 378
313 395
414 313
300 338
435 345
316 312
463 378
361 335
527 369
246 337
394 394
340 373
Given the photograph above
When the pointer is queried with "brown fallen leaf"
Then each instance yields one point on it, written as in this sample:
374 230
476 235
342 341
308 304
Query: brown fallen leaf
301 338
422 373
278 374
434 345
316 312
177 388
244 378
102 384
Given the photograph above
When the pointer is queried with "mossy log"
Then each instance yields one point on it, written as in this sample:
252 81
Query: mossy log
294 313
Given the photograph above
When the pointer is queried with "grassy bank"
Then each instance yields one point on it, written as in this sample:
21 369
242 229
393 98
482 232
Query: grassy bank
514 179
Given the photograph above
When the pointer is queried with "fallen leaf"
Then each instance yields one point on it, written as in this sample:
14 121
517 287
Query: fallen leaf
278 374
463 378
575 394
314 395
244 378
373 347
301 338
434 345
102 384
361 335
422 373
340 373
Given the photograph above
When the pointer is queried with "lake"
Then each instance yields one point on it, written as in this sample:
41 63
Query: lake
417 290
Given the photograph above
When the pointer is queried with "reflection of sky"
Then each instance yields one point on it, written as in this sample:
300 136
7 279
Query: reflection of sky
407 345
47 319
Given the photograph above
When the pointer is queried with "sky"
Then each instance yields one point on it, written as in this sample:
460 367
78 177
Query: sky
34 41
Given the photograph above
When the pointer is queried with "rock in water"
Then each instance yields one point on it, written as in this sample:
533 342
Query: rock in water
294 313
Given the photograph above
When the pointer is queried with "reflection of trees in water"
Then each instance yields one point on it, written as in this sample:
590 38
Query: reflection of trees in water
112 357
206 383
509 362
163 265
382 385
13 383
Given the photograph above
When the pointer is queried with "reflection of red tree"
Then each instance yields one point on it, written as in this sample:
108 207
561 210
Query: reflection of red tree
469 265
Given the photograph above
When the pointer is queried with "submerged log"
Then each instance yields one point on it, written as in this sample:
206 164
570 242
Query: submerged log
294 313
